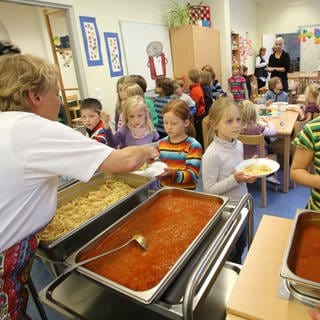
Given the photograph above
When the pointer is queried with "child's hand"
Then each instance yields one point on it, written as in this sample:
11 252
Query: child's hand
240 176
105 117
168 172
268 102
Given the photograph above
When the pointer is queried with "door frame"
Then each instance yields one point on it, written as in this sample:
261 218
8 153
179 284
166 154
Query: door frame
71 24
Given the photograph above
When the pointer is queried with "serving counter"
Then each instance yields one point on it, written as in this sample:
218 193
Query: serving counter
255 295
199 290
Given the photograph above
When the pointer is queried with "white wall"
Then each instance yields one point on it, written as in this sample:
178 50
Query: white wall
243 20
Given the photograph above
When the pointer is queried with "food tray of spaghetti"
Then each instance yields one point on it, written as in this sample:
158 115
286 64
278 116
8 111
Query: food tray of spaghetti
174 222
85 209
301 262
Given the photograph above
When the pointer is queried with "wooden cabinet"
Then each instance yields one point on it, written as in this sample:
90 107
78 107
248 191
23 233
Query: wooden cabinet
194 46
235 44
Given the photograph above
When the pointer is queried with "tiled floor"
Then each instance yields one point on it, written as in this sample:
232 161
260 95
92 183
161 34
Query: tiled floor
279 204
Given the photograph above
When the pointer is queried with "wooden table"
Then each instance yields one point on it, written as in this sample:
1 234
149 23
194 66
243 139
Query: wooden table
284 125
255 295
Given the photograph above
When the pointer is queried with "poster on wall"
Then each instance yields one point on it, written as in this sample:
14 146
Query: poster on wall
148 55
114 54
91 41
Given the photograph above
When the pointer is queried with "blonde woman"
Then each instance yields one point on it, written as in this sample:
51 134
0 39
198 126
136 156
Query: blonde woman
38 149
279 63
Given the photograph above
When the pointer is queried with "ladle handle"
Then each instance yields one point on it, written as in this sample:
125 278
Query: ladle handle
79 264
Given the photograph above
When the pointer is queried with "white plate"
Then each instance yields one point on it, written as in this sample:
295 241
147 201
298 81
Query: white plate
153 170
273 165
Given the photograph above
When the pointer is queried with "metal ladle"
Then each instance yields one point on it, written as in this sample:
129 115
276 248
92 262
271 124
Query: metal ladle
140 239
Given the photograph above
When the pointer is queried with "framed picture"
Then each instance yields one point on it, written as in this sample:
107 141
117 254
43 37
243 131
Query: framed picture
114 54
91 41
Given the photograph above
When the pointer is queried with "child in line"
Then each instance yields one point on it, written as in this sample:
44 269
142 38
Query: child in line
237 84
205 81
130 89
179 150
197 95
141 81
221 157
248 82
137 128
250 126
121 96
165 89
179 86
275 93
216 89
90 110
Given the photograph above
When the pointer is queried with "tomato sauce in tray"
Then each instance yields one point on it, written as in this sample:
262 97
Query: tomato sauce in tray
170 224
306 258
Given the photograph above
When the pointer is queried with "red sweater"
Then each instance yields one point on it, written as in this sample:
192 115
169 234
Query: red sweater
197 95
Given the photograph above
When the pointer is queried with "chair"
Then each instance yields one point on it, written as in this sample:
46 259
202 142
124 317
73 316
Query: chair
206 131
258 140
74 109
277 146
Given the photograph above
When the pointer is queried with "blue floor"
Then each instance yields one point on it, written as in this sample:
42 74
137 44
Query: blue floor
278 204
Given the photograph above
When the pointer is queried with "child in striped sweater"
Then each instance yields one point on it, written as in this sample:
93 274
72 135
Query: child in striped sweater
179 150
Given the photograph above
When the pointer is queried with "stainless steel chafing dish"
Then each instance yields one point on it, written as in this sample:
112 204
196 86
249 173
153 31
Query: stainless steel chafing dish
202 285
298 287
147 296
59 249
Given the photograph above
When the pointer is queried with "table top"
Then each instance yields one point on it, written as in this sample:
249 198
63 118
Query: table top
284 123
302 75
255 295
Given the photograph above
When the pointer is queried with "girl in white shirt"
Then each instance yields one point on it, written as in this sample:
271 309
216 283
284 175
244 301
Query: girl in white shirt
221 157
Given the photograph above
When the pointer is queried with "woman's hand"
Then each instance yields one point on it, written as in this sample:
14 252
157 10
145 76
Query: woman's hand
240 176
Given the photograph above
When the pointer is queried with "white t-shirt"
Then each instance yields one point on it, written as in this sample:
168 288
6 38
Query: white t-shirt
34 152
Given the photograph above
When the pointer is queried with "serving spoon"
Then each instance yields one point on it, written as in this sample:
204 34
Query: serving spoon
140 239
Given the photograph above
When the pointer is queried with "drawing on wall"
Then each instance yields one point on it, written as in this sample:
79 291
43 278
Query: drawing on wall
114 54
91 41
156 60
305 34
245 46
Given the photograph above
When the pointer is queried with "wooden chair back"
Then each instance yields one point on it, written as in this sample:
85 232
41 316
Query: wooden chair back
207 132
257 140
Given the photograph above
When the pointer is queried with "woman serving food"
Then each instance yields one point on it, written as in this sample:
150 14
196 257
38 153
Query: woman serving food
37 150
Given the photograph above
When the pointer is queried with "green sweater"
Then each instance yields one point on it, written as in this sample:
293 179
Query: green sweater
154 115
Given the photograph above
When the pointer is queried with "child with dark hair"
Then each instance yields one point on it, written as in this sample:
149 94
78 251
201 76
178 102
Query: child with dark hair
165 90
90 110
248 82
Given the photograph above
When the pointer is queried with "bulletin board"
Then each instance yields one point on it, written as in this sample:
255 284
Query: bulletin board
135 38
309 39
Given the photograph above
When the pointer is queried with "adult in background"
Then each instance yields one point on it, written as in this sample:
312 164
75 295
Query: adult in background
279 63
260 69
36 149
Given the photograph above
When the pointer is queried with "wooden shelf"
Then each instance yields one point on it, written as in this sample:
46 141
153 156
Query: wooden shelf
235 47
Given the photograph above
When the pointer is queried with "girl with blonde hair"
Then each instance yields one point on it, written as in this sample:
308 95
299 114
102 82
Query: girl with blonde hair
220 159
137 127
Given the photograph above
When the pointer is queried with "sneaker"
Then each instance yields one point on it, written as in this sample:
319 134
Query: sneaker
273 179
